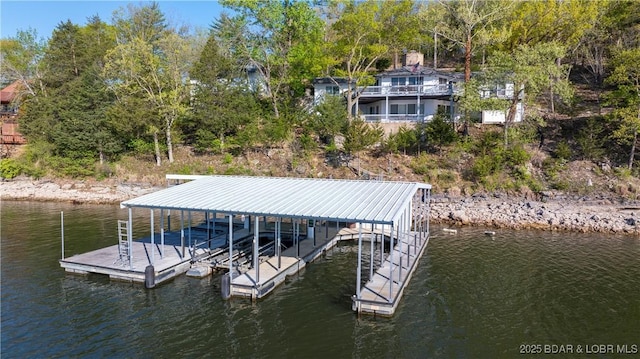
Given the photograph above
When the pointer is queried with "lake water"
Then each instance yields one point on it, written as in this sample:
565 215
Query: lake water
471 296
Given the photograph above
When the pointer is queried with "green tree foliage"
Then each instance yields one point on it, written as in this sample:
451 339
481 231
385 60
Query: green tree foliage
406 138
544 21
21 60
356 44
625 116
69 110
590 139
280 40
439 132
531 70
9 168
151 62
467 23
221 106
330 118
359 136
401 23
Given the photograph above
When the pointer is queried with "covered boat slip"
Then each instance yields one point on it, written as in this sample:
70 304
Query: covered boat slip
285 223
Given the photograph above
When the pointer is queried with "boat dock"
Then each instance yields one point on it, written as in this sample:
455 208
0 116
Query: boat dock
260 230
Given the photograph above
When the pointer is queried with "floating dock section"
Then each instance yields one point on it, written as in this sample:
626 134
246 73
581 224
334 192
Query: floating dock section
262 229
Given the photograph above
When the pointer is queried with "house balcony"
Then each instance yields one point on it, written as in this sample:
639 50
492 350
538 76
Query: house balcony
382 118
433 91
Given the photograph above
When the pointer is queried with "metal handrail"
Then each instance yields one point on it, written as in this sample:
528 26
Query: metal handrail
434 90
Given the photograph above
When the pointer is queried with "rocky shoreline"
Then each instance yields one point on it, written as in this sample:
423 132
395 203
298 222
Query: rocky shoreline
553 212
106 192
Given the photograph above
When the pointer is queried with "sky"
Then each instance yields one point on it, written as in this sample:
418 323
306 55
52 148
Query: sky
44 16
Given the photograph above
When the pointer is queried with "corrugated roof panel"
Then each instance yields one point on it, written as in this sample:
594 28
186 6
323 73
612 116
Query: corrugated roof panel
344 200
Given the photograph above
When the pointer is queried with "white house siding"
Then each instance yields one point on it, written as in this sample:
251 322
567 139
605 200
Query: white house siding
320 90
495 116
377 111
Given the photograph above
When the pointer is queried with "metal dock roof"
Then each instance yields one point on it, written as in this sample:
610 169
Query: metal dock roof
339 200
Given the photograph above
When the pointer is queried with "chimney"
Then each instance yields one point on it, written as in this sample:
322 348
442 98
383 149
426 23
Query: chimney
413 57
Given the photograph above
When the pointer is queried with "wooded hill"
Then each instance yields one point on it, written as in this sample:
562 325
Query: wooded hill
96 94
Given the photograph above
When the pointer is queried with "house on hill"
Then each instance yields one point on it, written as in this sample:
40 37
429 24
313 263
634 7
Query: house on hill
9 115
412 92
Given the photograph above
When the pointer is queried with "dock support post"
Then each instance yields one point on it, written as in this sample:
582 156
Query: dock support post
296 232
182 233
162 233
400 242
153 240
359 268
206 219
428 209
311 230
382 247
256 248
372 243
230 252
130 239
391 264
192 249
62 231
279 241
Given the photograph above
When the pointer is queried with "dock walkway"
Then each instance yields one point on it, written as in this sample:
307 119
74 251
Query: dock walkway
381 294
270 274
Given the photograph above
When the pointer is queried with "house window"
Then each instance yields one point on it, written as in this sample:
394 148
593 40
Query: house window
444 109
442 81
398 81
332 90
411 109
394 109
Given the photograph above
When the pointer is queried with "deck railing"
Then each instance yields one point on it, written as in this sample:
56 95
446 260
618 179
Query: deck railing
427 90
397 118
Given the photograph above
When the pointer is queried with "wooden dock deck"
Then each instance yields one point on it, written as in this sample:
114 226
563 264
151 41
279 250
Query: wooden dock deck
292 260
107 261
382 293
175 260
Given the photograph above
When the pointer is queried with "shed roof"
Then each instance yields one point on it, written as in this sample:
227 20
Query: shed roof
8 93
341 200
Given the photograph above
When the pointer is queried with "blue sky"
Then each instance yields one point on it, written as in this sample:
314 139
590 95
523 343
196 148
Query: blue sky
44 16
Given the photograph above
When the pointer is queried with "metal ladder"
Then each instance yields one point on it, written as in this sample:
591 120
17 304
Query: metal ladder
124 253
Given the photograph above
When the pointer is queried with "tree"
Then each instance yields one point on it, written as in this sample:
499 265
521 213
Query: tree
401 24
151 62
430 16
330 118
69 111
222 107
625 76
616 25
280 40
21 60
468 22
565 22
359 136
530 69
355 47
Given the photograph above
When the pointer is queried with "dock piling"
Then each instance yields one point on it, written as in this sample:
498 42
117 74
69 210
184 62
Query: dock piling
62 231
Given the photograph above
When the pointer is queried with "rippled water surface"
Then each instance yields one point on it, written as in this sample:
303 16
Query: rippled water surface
472 296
